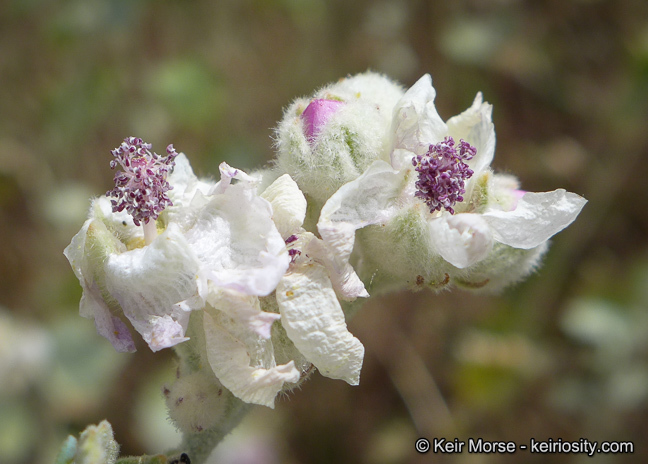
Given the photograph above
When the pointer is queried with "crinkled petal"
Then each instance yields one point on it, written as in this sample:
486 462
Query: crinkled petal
245 310
228 173
185 183
237 243
476 127
167 331
150 281
370 199
230 361
417 123
288 205
536 218
345 281
314 321
401 159
461 239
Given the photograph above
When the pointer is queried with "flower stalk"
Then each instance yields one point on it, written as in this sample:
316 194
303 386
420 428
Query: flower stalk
150 232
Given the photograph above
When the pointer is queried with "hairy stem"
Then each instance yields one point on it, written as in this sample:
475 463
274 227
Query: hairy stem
198 444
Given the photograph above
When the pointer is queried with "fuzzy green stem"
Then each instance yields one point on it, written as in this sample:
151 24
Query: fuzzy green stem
199 445
193 358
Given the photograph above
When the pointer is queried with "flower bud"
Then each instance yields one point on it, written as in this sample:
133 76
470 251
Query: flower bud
197 401
96 445
331 138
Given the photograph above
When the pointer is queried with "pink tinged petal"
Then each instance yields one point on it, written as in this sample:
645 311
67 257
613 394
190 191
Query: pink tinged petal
230 361
345 281
122 340
165 332
462 239
317 114
108 326
237 243
537 217
288 205
517 196
417 124
149 283
245 310
370 199
228 173
476 127
314 321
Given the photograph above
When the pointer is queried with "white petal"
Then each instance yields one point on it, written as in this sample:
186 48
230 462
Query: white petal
288 205
230 361
401 159
416 122
346 282
92 303
476 127
228 173
185 183
536 218
462 239
150 281
237 243
245 310
314 321
75 254
370 199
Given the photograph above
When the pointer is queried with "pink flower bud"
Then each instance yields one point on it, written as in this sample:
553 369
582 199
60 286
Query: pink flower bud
317 114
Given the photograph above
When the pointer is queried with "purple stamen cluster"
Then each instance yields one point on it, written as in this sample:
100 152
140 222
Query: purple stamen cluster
141 187
292 252
443 173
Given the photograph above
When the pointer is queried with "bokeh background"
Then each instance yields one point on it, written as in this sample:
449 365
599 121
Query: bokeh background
563 355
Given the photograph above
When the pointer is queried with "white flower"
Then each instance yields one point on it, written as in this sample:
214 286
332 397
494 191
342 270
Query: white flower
438 202
243 347
221 233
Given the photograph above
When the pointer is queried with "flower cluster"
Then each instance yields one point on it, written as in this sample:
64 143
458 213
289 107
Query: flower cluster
142 187
460 225
442 174
369 193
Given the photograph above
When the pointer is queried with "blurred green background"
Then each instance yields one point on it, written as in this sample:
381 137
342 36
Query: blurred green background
563 355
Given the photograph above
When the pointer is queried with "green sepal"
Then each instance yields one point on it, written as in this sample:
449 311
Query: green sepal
67 452
100 244
97 445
